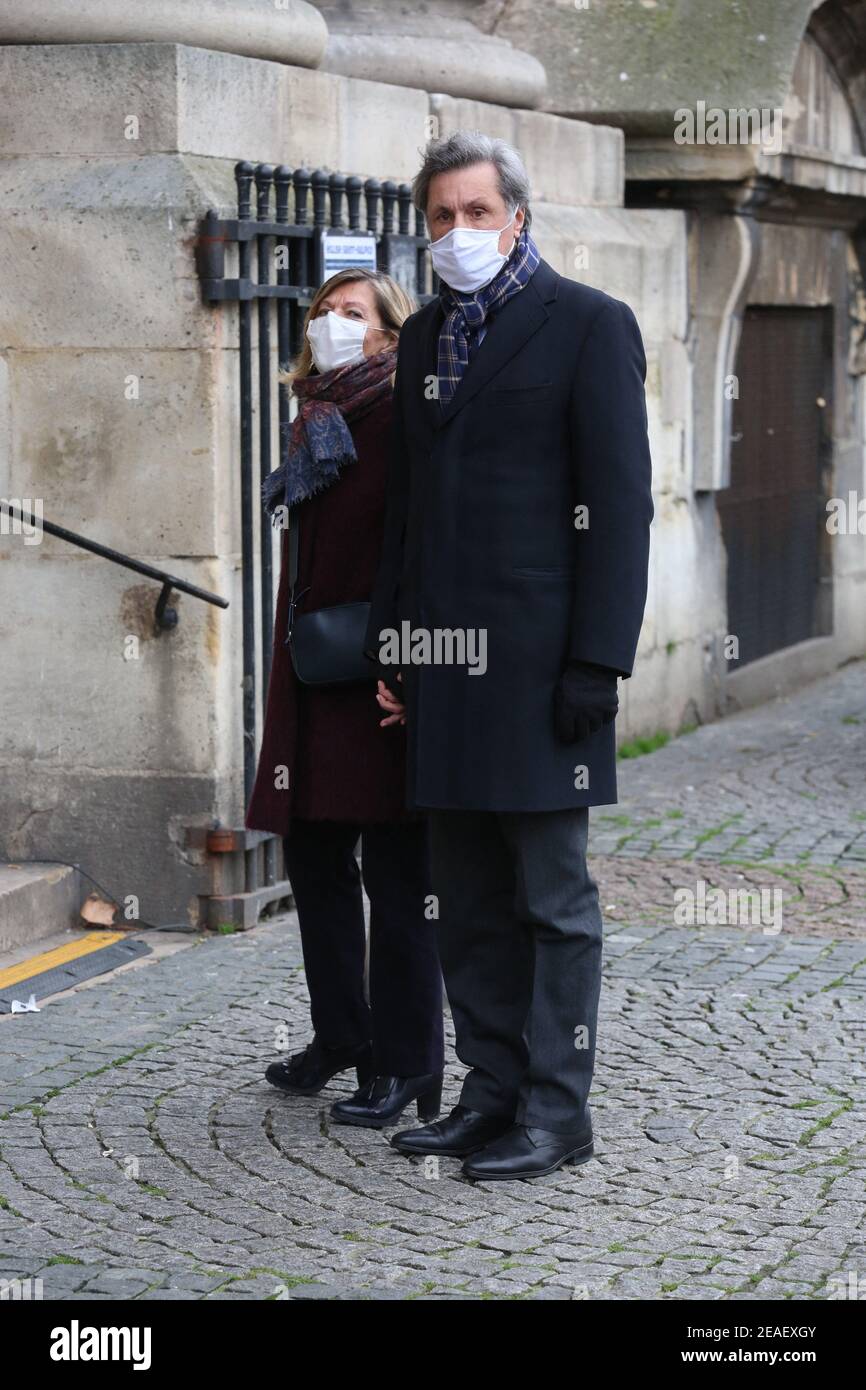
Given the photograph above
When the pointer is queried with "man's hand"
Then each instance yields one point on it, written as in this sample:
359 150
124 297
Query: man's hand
584 701
388 695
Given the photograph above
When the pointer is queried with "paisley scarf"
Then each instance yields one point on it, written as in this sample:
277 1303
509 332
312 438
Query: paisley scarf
319 441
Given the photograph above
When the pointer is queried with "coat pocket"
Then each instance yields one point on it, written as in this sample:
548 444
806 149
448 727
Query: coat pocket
523 395
545 571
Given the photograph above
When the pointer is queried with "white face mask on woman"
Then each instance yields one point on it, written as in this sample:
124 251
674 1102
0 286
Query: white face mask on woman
467 258
335 341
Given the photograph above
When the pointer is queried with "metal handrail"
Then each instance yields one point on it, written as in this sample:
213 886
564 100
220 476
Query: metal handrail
165 617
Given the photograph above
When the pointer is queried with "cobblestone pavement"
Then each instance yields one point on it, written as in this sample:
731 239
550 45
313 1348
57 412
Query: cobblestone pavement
786 781
142 1154
772 798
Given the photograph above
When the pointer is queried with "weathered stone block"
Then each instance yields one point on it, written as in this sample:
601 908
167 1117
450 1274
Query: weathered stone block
102 250
129 100
121 446
569 162
88 684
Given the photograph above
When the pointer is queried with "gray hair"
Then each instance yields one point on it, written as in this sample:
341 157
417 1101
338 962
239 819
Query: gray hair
467 147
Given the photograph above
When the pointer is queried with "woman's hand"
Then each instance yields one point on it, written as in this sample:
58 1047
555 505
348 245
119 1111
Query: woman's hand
395 711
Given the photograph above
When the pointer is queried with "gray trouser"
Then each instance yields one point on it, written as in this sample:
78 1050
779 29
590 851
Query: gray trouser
520 941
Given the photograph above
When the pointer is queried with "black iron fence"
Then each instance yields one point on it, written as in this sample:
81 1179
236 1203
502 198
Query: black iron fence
293 229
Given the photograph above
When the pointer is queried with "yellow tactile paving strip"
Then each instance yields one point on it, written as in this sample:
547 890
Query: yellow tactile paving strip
49 960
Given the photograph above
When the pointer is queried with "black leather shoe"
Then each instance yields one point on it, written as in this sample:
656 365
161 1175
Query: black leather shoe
461 1132
305 1073
528 1152
384 1098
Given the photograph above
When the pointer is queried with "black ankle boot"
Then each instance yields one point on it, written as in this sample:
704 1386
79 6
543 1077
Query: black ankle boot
384 1098
305 1073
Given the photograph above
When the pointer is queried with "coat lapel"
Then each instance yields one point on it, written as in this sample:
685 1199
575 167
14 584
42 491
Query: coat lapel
511 327
420 345
430 366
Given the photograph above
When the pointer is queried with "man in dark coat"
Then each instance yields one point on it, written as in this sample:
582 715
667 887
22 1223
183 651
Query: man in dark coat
511 595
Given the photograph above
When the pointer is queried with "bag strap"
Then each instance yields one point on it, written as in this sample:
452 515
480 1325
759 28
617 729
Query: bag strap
294 553
294 540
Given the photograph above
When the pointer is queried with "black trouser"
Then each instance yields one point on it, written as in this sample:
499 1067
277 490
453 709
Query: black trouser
404 1015
520 940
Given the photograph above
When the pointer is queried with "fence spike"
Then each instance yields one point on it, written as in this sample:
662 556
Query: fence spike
282 183
372 195
389 199
337 187
264 178
244 174
319 182
301 181
404 200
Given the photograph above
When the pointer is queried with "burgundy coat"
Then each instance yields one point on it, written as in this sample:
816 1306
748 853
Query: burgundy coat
342 765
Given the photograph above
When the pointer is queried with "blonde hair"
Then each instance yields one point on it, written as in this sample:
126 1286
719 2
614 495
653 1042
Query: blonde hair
393 304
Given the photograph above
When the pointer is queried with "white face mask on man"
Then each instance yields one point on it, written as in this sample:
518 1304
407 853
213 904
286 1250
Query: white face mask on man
336 341
467 258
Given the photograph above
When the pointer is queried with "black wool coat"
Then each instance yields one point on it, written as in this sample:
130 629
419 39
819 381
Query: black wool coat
480 534
341 765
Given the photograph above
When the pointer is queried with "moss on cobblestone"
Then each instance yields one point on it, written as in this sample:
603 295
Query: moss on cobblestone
713 830
824 1122
289 1281
640 746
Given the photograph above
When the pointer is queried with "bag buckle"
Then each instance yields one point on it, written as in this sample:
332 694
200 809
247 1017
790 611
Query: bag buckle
293 603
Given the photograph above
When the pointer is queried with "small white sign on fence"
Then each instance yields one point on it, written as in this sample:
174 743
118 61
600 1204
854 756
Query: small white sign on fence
341 251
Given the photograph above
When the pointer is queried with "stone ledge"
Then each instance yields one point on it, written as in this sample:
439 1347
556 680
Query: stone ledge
294 32
440 46
657 160
477 68
78 100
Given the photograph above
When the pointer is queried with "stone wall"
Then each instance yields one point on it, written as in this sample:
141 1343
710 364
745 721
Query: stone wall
118 409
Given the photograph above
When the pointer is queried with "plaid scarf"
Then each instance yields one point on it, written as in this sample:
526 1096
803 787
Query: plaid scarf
320 443
465 313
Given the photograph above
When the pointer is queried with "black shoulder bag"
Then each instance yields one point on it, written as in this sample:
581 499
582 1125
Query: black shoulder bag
327 645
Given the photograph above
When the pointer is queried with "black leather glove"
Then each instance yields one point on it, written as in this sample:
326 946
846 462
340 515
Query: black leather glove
584 701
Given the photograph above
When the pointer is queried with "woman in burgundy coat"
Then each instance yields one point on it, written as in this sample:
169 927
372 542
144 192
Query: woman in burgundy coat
331 769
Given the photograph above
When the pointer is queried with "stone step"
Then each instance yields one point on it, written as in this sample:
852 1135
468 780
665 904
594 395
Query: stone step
36 901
